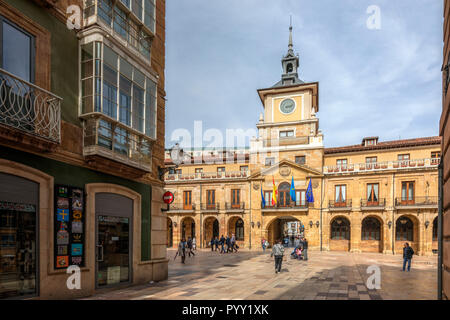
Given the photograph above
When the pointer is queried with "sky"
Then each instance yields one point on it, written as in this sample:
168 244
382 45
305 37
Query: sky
382 82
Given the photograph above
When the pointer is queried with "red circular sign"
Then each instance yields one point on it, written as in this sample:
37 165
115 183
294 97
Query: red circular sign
168 197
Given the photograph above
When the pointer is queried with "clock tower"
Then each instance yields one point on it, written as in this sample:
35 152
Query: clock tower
289 128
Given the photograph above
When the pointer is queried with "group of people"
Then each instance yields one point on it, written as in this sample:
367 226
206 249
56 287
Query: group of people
301 249
186 248
227 244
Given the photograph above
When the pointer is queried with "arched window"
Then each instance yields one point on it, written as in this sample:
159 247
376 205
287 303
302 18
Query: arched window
340 229
215 228
289 68
435 229
284 197
404 229
371 228
193 229
239 230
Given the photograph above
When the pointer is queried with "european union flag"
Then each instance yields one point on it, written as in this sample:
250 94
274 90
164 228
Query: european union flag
263 201
309 193
293 197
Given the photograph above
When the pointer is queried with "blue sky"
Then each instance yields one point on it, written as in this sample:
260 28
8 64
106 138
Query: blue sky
384 83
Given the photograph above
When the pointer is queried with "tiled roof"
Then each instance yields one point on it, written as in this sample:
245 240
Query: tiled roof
387 145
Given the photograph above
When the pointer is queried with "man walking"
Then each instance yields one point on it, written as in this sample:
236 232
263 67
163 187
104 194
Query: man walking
216 243
181 250
278 252
263 244
228 243
233 243
305 249
407 256
194 244
189 246
222 244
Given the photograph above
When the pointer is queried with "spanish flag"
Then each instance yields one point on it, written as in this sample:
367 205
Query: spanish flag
274 193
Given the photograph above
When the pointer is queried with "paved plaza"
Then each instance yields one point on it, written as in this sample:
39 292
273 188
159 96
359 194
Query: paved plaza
250 276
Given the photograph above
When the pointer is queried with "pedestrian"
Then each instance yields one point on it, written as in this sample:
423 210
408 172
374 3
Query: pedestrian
194 244
297 242
305 249
263 244
222 244
189 246
212 243
233 243
216 243
407 255
278 252
181 250
228 243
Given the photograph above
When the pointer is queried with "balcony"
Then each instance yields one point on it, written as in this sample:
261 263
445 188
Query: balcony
29 115
181 208
417 203
235 207
345 205
373 205
293 207
382 166
210 207
109 144
207 176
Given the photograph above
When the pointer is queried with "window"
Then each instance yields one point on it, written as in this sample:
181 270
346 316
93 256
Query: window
404 159
244 168
112 86
239 230
220 169
371 142
371 228
408 192
340 195
300 160
300 197
268 198
235 198
198 170
372 194
404 229
211 199
284 197
371 160
178 171
270 161
286 134
340 229
17 50
122 24
187 200
435 229
341 163
435 155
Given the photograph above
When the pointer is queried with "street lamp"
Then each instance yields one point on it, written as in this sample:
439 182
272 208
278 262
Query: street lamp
427 223
259 224
317 224
253 224
390 224
310 224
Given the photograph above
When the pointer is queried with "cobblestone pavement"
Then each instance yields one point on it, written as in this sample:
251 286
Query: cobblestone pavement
251 275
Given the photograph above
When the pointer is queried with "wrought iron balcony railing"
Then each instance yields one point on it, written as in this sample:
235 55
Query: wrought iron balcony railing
235 206
333 204
210 206
417 201
381 166
29 108
291 205
181 207
207 176
379 203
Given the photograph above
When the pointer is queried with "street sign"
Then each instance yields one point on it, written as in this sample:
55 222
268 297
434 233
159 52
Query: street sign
168 197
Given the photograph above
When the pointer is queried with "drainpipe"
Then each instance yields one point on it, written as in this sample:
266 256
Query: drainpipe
393 220
440 213
321 206
201 218
250 209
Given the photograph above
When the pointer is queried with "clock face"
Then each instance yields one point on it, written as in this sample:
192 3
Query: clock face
287 106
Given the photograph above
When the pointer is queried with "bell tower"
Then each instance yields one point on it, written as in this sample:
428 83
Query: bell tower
290 63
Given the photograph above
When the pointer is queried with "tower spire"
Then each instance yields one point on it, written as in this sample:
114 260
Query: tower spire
291 45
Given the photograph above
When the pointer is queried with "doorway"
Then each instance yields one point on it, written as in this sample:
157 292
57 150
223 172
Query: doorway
113 216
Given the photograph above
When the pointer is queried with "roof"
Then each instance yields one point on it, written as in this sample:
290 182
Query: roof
280 83
386 145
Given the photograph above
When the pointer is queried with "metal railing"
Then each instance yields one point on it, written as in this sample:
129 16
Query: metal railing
416 201
380 166
291 205
235 206
29 108
207 176
181 206
378 203
209 206
340 204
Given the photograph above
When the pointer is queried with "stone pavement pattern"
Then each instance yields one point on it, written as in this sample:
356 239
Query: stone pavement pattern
251 276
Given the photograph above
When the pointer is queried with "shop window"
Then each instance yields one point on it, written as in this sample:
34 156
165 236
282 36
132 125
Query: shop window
371 229
340 229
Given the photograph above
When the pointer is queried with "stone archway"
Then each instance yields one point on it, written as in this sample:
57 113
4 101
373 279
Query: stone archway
340 232
434 237
372 235
169 233
210 230
236 226
407 230
281 228
187 228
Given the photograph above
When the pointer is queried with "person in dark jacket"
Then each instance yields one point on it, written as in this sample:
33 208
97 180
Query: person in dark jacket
222 244
189 247
228 243
212 243
304 243
216 242
407 256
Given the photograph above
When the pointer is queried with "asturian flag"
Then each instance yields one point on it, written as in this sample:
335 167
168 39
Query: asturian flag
293 196
263 201
309 193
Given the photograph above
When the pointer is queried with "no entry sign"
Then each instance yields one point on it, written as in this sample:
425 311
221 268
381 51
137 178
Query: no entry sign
168 197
